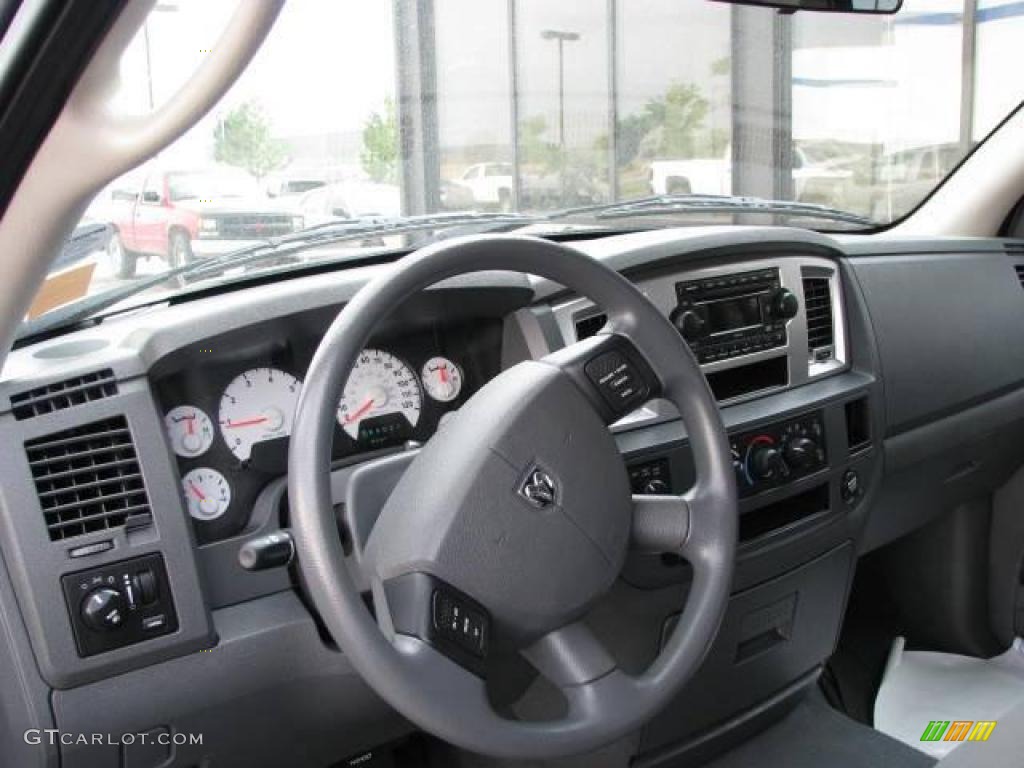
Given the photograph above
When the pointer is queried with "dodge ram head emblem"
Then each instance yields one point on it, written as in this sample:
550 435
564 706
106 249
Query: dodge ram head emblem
538 488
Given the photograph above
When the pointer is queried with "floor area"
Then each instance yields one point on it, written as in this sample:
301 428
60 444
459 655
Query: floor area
920 686
816 736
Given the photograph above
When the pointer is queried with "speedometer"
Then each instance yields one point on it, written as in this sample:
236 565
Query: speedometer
257 405
379 386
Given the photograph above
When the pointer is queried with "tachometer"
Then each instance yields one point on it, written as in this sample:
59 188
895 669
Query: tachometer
380 385
207 493
257 405
189 429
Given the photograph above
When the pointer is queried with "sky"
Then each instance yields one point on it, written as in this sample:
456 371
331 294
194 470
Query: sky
326 65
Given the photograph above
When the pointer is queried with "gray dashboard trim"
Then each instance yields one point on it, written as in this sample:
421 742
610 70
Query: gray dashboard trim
883 245
270 693
684 248
660 289
970 309
24 696
135 342
749 414
36 563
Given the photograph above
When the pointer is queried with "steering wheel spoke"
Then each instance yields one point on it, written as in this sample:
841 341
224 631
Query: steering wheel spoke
570 656
611 372
661 524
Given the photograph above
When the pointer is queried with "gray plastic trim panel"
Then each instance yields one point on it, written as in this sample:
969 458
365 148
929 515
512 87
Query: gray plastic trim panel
36 563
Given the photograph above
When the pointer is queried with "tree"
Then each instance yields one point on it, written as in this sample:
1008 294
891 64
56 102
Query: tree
379 155
678 116
244 139
536 150
667 126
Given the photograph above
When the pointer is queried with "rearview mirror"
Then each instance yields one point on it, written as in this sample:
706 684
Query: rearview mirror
833 6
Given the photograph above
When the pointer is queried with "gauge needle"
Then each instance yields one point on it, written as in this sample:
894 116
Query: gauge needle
197 492
246 423
191 423
362 409
444 374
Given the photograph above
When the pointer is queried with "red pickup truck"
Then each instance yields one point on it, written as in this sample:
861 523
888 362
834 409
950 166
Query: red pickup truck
182 215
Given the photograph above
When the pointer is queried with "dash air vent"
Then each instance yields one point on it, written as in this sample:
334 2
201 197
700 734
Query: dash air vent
818 308
1019 268
88 478
63 394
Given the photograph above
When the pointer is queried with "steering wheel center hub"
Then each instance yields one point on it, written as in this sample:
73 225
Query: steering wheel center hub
521 503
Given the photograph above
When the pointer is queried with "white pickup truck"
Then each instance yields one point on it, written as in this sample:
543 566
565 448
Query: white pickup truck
813 182
490 184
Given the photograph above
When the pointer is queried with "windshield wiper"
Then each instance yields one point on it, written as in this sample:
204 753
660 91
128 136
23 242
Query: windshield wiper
655 205
274 248
452 224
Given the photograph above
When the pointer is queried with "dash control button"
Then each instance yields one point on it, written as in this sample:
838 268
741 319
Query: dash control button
91 549
459 623
617 379
849 487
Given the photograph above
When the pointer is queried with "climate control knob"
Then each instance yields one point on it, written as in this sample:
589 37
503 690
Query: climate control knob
688 323
784 305
800 452
656 487
766 462
104 609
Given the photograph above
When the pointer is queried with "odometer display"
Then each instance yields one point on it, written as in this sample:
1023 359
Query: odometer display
380 385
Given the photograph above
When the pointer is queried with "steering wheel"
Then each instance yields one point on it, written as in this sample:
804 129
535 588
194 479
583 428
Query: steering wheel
517 517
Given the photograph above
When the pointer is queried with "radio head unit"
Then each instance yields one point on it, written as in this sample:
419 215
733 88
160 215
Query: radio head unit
731 315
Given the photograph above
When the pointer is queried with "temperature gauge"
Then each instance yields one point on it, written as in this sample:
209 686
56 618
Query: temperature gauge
442 379
207 492
190 431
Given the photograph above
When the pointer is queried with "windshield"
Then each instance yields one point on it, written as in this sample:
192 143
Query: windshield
529 114
202 185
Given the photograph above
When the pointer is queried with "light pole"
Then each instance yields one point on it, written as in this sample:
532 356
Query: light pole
561 37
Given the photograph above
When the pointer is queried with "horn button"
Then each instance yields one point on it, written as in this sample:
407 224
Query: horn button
522 503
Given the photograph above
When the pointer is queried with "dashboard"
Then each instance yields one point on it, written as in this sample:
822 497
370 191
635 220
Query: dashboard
149 453
228 403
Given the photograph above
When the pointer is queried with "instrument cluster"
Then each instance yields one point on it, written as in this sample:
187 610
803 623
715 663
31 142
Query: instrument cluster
228 423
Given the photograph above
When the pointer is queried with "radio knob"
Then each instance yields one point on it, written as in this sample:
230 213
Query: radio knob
103 609
784 304
800 452
765 462
688 323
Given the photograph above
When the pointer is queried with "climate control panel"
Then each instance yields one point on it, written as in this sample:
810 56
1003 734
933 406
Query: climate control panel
778 454
119 604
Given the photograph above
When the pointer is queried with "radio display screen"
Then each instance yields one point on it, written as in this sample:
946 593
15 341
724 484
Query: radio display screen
730 314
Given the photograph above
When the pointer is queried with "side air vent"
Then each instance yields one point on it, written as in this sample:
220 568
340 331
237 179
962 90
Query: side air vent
818 307
88 478
63 394
1019 269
